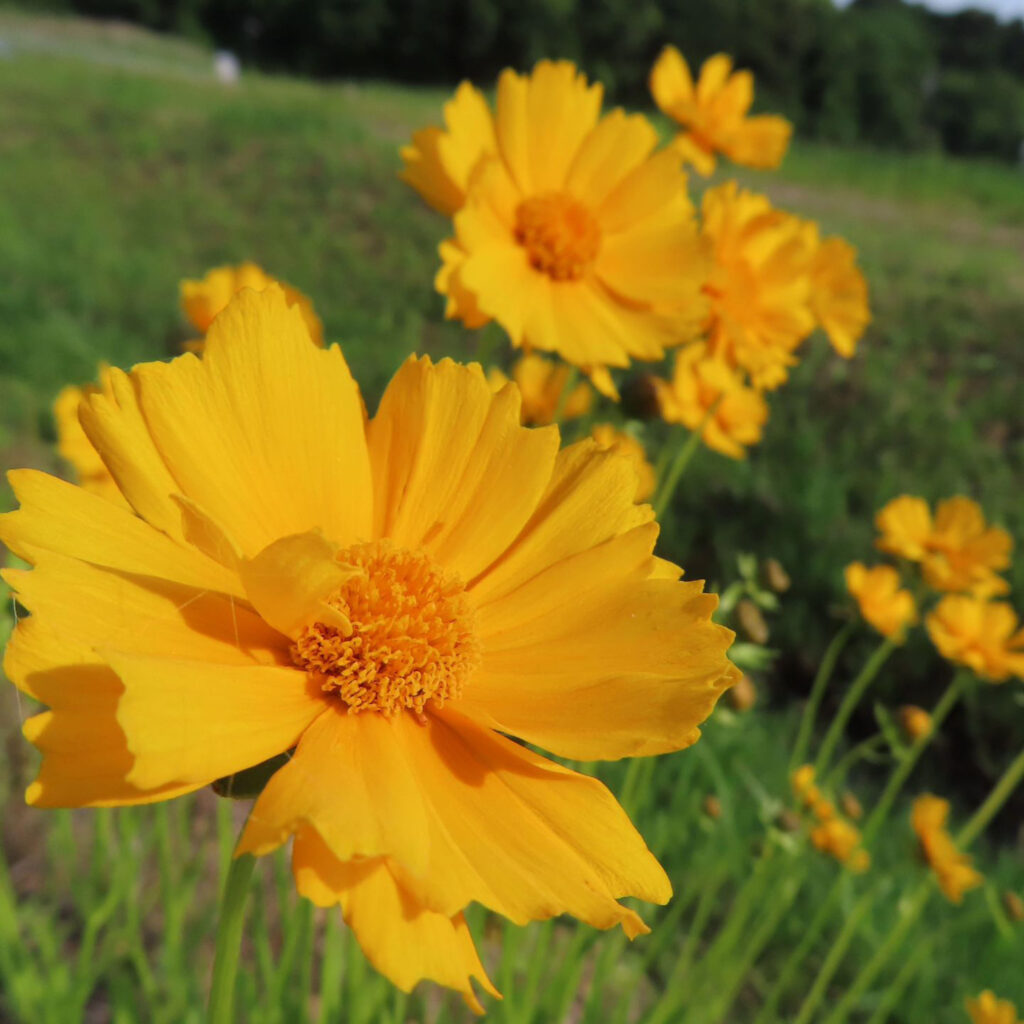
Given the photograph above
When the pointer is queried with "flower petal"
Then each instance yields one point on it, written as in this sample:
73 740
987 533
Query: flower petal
618 145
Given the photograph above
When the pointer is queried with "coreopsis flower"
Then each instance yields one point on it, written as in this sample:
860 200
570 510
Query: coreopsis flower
804 787
952 868
439 161
713 113
958 550
881 599
759 287
610 438
203 299
705 390
839 293
915 722
542 383
987 1009
388 600
841 840
982 635
574 234
72 444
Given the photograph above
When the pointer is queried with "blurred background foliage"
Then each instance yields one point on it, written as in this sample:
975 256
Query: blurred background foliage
878 71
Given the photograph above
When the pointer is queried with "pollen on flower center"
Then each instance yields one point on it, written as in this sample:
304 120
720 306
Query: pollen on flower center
560 235
412 640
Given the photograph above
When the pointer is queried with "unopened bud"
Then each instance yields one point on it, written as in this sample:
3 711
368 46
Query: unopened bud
752 621
775 576
712 806
852 807
915 721
742 695
1014 906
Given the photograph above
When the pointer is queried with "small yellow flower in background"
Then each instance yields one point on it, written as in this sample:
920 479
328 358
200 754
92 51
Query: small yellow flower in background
841 840
760 283
75 447
574 234
982 635
439 162
804 788
203 299
609 437
700 384
958 550
247 605
881 600
713 113
987 1009
915 721
839 294
541 384
952 868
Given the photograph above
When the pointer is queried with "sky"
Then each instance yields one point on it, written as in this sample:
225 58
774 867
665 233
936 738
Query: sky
1007 9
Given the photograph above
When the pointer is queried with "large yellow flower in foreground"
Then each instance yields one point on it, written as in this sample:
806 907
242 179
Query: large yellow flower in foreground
72 444
574 235
713 113
610 437
704 390
542 383
987 1009
881 600
983 635
760 282
958 550
203 299
952 868
388 599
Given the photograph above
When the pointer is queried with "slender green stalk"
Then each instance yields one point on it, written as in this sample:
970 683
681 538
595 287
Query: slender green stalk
229 940
837 775
849 704
835 957
895 989
684 453
909 760
1007 783
825 669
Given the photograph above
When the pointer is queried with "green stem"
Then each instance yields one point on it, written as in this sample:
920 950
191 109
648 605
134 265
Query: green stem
229 940
825 669
684 453
895 989
993 802
892 790
849 704
835 778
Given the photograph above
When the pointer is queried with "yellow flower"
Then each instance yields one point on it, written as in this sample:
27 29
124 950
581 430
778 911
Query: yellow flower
952 868
839 294
541 383
841 840
804 788
75 447
387 599
882 602
987 1009
440 161
203 299
701 384
760 283
958 550
915 721
608 437
574 235
980 634
713 113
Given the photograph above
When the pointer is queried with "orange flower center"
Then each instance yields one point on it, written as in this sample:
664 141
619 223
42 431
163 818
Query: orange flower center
560 235
412 639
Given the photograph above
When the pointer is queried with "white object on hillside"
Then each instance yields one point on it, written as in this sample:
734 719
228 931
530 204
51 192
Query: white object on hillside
226 67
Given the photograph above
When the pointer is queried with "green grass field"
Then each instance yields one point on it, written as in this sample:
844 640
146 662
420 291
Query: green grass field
124 167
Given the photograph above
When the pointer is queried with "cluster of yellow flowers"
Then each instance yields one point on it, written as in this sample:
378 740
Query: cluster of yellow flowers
576 233
987 1009
833 834
960 556
952 868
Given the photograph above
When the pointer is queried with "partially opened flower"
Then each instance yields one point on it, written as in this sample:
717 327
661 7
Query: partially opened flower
982 635
203 299
75 448
915 722
987 1009
881 599
706 394
839 294
952 868
542 387
713 113
389 600
759 287
575 235
610 438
